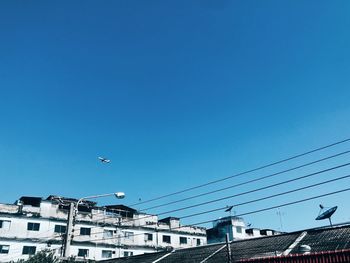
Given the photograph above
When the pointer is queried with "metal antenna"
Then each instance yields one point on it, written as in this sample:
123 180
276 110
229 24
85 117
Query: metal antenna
279 213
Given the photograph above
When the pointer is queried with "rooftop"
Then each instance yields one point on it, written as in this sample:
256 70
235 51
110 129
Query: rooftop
319 239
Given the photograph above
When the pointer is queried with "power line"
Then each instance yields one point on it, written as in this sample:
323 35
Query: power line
270 196
242 173
263 198
294 202
247 213
244 193
254 190
248 182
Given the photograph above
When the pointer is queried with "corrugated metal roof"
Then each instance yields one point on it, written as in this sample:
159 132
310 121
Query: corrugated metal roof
326 239
320 240
145 258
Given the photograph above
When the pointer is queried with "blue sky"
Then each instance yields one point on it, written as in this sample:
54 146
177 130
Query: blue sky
176 93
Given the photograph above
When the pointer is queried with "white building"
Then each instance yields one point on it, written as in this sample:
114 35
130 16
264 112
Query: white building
34 224
236 228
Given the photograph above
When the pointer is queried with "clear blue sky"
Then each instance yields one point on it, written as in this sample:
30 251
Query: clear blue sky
175 93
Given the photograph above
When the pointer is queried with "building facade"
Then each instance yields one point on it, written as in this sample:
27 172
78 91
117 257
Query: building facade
236 228
34 224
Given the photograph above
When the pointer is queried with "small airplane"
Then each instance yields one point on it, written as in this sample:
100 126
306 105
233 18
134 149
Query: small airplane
104 160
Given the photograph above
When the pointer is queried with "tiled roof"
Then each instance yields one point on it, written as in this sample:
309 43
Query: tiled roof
258 247
322 239
145 258
190 255
326 239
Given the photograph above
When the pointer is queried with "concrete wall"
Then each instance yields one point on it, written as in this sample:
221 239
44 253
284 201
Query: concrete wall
126 236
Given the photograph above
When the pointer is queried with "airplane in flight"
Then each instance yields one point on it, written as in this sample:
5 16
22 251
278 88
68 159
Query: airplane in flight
104 160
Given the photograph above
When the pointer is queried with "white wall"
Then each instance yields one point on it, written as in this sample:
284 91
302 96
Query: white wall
48 215
16 249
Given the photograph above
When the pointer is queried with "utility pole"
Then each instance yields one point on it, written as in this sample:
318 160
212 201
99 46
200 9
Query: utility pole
229 260
73 210
69 231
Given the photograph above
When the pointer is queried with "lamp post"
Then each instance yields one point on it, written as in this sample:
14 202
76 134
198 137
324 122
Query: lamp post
73 210
118 195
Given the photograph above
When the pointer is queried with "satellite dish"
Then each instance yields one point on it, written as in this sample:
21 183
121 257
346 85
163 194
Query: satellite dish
326 213
229 208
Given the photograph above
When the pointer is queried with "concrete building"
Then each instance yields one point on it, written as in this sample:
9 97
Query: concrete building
236 228
33 224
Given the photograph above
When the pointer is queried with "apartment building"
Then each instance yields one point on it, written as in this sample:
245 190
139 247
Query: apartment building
236 228
33 224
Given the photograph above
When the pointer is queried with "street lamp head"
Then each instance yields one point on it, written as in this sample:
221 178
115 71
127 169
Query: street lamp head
119 195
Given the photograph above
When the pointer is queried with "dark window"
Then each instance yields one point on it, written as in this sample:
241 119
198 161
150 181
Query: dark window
4 249
183 240
33 226
84 231
83 252
198 242
249 231
166 239
128 253
266 232
32 201
28 250
148 237
107 253
60 229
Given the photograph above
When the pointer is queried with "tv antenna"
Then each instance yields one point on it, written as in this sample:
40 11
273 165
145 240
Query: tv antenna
280 214
326 213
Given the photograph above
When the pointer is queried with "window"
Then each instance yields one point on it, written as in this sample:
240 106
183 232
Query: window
60 229
183 240
83 252
4 249
107 253
128 253
249 232
5 224
33 226
107 233
129 235
28 250
198 242
166 239
84 231
239 229
148 237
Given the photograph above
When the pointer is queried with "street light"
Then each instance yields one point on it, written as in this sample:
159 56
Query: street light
72 213
118 195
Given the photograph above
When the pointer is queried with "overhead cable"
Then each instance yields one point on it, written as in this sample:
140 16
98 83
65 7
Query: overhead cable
263 198
257 189
245 193
247 182
245 172
246 213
